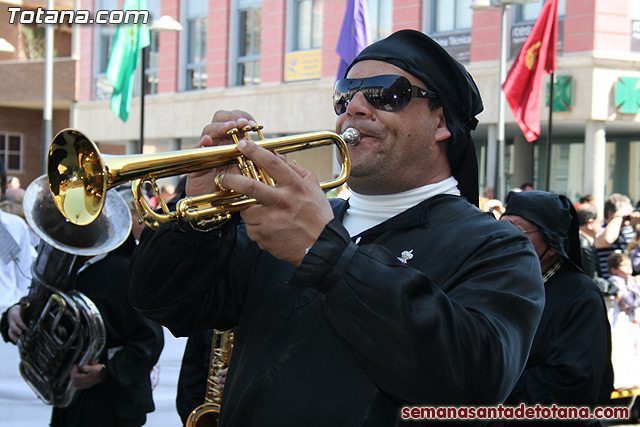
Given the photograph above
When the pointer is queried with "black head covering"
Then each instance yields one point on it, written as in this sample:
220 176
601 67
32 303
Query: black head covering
421 56
556 218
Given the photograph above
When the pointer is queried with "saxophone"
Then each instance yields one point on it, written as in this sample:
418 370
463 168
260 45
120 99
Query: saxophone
208 414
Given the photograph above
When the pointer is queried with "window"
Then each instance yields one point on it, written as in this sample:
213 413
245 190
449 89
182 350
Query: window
452 15
634 14
197 12
380 18
634 9
104 43
451 26
529 12
11 151
152 58
567 166
152 53
622 168
523 19
248 63
307 24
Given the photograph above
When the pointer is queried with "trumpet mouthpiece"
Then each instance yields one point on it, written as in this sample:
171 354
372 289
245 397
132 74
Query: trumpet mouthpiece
351 136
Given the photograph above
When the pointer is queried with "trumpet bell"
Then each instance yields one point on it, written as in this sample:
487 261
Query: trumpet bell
77 178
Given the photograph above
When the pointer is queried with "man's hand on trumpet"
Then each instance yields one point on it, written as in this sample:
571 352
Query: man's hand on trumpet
291 215
215 133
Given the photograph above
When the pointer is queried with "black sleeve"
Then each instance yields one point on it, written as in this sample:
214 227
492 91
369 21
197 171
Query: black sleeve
4 326
195 292
143 344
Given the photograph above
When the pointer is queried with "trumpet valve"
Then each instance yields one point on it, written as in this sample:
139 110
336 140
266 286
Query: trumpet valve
233 133
258 130
245 130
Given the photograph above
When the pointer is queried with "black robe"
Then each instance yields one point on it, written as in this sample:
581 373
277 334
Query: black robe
570 360
353 334
125 396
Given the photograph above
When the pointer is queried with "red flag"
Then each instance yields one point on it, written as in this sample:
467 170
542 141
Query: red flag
537 57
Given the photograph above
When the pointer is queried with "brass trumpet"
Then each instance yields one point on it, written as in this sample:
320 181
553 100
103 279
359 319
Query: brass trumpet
79 175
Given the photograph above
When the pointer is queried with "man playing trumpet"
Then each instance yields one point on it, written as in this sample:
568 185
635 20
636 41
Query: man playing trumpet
345 312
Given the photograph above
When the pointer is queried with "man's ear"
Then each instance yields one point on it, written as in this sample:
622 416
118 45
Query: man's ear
442 131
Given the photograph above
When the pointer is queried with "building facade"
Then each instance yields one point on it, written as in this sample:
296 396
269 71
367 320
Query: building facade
22 86
277 60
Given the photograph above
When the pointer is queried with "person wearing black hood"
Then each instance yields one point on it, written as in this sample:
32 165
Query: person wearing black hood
570 360
347 312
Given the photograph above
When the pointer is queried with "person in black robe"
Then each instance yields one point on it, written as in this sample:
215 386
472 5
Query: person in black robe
349 313
570 360
115 391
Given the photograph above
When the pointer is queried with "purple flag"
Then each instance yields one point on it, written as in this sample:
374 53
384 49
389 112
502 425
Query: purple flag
354 35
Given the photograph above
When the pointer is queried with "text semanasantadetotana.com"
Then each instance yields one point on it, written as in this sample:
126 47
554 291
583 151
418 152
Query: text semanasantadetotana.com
522 412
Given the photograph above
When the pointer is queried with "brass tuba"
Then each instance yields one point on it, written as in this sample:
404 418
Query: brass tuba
64 327
208 414
79 175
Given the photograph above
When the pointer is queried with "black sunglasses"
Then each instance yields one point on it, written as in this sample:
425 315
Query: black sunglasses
388 92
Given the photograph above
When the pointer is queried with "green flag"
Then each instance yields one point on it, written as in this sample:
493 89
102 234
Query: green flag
128 41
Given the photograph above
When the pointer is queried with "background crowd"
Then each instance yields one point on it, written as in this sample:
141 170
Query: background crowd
609 243
610 255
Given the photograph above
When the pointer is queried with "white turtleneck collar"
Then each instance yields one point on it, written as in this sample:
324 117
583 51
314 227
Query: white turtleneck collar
367 211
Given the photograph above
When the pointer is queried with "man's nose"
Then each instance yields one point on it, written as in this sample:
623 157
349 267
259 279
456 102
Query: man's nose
359 106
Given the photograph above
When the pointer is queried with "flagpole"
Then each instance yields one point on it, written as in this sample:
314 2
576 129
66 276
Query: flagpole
47 108
549 136
501 182
143 88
